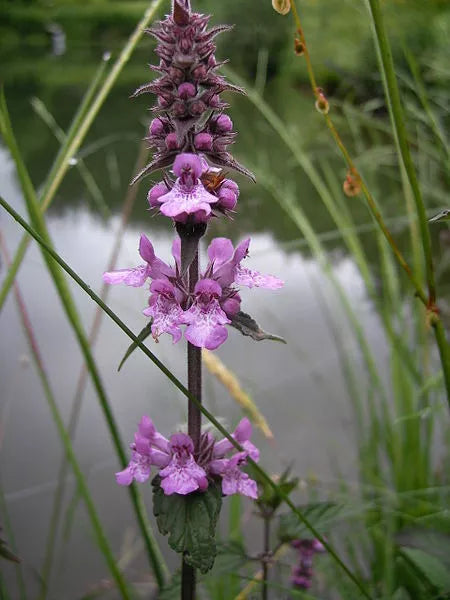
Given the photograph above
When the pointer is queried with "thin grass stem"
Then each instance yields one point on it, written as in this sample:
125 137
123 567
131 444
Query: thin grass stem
74 319
81 124
177 383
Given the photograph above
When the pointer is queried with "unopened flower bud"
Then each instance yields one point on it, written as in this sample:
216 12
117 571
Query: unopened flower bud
352 184
299 47
227 198
197 107
156 127
171 141
164 101
281 6
186 90
199 73
322 103
203 141
158 190
176 74
214 101
223 124
179 109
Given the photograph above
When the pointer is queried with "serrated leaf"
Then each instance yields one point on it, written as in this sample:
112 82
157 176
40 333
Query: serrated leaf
248 326
321 515
143 335
429 566
190 522
444 215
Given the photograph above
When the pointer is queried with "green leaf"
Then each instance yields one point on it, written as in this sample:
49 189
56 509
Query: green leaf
271 498
432 568
190 521
248 326
6 553
321 515
143 335
444 215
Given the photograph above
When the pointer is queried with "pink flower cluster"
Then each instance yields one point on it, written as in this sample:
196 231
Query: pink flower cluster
215 299
198 192
183 470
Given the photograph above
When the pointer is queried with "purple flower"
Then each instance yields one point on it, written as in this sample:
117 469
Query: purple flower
242 435
181 470
234 481
187 197
182 475
164 307
136 276
205 318
215 300
149 448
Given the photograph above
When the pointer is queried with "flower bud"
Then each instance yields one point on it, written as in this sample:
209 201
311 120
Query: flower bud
281 6
203 141
227 199
200 73
213 101
171 141
223 124
352 184
197 107
179 109
186 90
299 47
176 74
158 190
164 101
322 103
156 127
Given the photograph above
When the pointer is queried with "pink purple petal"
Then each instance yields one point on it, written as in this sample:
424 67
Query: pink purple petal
251 278
135 277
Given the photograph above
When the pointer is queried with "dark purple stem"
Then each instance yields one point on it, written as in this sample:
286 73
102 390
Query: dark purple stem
265 565
194 356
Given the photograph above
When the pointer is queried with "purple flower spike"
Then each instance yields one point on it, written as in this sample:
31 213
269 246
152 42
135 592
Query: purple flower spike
205 318
182 475
187 88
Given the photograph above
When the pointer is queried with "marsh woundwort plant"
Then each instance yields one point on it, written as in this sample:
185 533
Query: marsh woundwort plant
190 135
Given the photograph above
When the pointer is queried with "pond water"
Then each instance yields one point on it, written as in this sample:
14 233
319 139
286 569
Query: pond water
299 387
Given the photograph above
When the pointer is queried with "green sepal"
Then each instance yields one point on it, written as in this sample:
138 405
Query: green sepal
190 522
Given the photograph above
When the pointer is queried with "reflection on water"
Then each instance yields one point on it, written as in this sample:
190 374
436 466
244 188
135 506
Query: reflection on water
298 387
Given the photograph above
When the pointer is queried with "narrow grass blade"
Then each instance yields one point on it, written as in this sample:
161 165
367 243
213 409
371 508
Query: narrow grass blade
89 109
75 322
177 383
87 177
83 488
